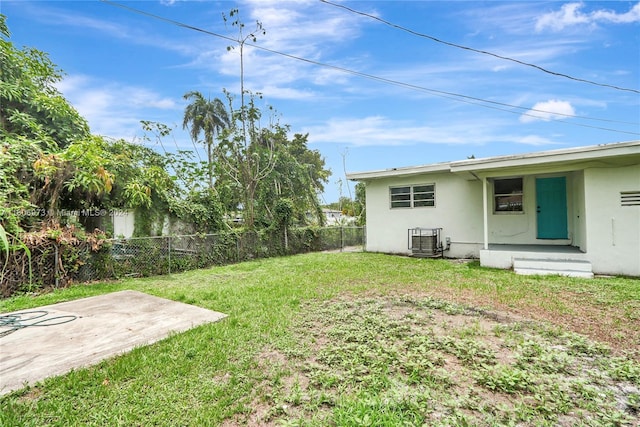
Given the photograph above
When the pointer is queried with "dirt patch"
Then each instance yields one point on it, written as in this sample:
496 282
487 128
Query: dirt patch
415 359
595 322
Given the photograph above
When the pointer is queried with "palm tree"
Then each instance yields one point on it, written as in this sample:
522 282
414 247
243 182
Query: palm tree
208 117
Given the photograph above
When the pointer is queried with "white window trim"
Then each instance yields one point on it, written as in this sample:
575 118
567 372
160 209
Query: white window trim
493 201
411 196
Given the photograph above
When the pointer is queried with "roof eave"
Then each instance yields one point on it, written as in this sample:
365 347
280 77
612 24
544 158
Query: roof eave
546 157
399 172
565 156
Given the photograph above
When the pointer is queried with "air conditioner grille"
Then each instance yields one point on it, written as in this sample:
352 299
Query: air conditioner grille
425 242
630 198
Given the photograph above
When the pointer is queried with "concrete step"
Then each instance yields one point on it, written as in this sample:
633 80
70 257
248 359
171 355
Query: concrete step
561 267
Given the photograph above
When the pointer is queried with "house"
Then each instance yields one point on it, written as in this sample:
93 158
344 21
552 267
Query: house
332 217
572 211
123 223
335 217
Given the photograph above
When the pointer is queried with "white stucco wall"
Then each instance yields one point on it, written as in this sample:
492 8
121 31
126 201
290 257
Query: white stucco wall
577 215
613 230
123 223
458 211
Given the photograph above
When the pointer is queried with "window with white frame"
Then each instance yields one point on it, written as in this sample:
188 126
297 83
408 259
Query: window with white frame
507 195
413 196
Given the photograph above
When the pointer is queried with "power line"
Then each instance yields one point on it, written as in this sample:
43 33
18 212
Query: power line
450 95
484 52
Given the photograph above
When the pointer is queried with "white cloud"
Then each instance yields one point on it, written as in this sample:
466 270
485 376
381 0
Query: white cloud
368 131
279 92
623 18
383 131
306 30
570 14
548 110
114 30
113 109
534 140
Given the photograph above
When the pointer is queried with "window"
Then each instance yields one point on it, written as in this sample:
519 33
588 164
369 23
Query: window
401 197
413 196
507 195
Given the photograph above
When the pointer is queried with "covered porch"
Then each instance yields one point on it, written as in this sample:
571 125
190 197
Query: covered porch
541 230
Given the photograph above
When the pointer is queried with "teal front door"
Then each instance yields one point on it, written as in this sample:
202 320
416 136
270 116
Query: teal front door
551 207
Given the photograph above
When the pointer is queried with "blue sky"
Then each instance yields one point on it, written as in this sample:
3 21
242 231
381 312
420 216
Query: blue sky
423 101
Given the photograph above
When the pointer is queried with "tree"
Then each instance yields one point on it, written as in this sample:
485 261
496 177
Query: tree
361 203
283 212
207 117
17 156
32 107
52 167
256 165
241 41
299 176
246 154
36 125
187 198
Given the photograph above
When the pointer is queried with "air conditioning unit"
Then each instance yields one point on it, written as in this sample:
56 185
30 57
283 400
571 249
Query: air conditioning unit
425 242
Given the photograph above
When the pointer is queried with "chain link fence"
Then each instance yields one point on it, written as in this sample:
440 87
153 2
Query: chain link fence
55 265
149 256
47 263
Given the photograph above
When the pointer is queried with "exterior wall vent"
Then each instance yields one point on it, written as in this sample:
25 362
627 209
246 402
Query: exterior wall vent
630 198
425 242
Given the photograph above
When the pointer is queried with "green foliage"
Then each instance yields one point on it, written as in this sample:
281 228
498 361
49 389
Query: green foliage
310 239
51 166
32 107
16 177
283 213
298 175
96 173
257 165
201 209
623 369
505 379
270 167
360 204
206 117
4 241
50 257
148 221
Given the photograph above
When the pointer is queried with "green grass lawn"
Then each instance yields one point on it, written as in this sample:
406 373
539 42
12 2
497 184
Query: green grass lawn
361 339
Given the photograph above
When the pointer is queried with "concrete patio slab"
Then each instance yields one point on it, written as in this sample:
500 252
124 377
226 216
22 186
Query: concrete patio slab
96 328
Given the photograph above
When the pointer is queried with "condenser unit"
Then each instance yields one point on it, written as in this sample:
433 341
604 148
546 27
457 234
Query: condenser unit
425 242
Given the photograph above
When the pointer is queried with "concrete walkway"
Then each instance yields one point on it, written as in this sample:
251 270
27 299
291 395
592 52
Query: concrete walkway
96 328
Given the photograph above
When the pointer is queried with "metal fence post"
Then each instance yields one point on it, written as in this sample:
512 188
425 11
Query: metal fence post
139 256
55 266
169 246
